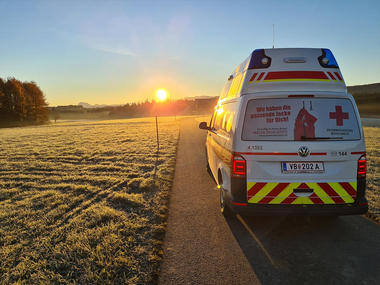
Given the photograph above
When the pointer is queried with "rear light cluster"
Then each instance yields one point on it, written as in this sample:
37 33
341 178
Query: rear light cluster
238 166
362 167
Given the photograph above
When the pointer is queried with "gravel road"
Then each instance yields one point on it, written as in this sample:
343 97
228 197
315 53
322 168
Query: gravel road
202 247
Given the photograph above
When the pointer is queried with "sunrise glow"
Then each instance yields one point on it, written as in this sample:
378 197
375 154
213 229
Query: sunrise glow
161 95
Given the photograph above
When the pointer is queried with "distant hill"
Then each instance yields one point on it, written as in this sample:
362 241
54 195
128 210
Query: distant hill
89 106
201 97
367 97
367 88
367 93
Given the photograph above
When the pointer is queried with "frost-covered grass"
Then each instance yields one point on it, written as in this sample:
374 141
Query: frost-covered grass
372 138
84 202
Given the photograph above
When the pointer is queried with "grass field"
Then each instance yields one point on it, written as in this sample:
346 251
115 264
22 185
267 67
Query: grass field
372 138
369 110
84 202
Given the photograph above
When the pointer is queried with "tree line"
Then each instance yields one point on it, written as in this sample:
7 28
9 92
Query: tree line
168 108
367 97
22 103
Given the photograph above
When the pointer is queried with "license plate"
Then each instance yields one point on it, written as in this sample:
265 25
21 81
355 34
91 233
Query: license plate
302 167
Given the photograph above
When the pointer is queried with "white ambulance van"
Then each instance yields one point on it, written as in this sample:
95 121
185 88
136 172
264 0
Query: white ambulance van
286 137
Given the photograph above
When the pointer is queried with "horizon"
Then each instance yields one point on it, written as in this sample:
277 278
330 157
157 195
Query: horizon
114 53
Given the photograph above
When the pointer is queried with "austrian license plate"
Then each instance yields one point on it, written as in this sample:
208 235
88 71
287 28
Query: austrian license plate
302 167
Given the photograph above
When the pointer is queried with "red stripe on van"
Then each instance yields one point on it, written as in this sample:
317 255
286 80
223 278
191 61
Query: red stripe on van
349 189
331 75
274 193
315 199
277 153
358 152
301 96
266 153
290 199
253 77
338 76
278 75
255 189
261 76
331 192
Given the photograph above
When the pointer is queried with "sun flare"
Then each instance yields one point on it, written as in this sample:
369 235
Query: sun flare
161 95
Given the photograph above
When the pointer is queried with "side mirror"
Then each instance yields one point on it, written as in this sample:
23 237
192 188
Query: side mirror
203 126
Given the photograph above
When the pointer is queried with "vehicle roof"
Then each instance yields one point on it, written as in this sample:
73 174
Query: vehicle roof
285 69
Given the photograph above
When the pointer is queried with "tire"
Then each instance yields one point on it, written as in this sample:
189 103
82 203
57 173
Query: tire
224 209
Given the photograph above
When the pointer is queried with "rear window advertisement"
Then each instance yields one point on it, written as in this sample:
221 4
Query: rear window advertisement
295 119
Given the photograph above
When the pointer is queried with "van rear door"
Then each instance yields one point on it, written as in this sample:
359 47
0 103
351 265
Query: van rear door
302 150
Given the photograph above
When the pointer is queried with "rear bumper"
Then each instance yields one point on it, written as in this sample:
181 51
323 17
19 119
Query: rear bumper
295 210
238 195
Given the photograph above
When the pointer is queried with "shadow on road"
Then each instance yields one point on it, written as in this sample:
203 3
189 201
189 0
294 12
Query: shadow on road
342 250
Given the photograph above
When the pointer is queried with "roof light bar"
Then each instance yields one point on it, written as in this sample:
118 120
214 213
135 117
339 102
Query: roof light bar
327 59
259 60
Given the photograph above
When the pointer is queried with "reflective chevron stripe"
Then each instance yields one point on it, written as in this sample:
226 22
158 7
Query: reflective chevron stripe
319 193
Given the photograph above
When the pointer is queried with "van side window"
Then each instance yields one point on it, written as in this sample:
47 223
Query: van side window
225 118
229 119
225 90
235 85
219 119
212 121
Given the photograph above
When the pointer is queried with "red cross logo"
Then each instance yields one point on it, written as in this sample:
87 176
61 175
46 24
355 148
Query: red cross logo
339 116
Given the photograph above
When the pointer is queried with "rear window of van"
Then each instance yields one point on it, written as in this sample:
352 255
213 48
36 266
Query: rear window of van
295 119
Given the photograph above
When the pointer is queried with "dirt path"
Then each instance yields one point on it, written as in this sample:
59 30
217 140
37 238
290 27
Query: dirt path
202 247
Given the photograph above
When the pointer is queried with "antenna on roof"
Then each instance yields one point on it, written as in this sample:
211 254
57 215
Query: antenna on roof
273 36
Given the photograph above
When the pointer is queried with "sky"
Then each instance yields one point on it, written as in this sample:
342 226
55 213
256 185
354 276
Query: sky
118 52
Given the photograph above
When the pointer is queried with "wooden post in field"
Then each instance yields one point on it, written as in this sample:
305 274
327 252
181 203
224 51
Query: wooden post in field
158 142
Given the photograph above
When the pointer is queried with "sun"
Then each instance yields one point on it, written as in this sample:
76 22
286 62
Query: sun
161 94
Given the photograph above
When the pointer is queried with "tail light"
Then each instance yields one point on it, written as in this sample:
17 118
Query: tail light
238 166
362 167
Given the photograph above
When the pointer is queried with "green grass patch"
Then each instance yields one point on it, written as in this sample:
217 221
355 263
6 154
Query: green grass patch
85 203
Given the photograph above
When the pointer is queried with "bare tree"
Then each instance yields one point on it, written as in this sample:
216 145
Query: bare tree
55 115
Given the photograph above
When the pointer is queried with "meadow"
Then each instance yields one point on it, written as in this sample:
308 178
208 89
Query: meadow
372 139
85 202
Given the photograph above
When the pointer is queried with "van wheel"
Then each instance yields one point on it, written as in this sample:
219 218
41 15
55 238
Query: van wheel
224 209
